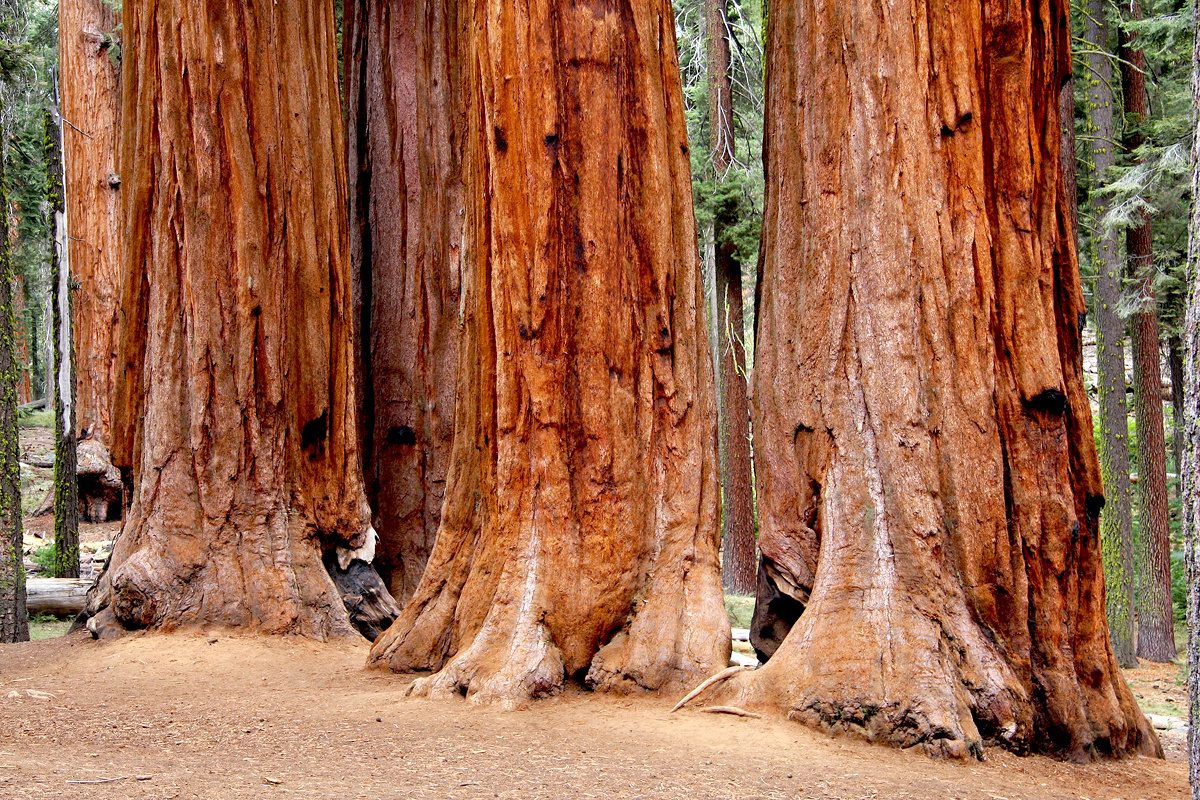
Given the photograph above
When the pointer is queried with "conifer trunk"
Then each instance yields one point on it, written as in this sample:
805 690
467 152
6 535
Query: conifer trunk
1152 545
406 127
579 535
236 405
90 91
1191 434
66 456
1175 354
929 487
1191 486
1116 519
739 566
14 621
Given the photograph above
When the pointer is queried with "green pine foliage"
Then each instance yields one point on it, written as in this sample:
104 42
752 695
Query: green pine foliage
1155 178
737 194
28 56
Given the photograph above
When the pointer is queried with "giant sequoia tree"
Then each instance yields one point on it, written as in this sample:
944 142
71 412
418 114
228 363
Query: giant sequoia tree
579 533
929 488
90 93
405 118
235 406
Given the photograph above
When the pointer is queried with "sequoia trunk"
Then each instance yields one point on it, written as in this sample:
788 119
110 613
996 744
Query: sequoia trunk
236 405
579 531
739 566
1116 520
1152 545
14 621
406 129
929 488
90 90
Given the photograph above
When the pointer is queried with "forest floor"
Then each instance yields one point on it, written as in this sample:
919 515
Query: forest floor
223 716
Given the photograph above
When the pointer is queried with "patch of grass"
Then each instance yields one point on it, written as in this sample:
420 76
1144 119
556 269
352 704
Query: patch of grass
740 609
47 626
1164 708
36 419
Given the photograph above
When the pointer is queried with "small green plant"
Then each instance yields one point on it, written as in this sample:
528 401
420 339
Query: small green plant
44 557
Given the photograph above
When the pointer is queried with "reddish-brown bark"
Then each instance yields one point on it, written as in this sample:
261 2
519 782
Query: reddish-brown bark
1152 545
235 406
579 532
90 90
405 140
928 483
739 563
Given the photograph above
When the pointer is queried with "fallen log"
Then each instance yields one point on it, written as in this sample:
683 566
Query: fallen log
62 597
39 460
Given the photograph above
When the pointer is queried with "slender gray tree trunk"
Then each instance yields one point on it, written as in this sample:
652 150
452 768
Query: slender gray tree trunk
1116 523
14 623
66 453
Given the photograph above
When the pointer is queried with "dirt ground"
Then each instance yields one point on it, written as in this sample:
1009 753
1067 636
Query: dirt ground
226 717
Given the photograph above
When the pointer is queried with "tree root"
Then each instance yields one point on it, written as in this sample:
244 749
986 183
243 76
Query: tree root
723 675
731 710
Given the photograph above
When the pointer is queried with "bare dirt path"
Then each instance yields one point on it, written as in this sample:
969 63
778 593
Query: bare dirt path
253 718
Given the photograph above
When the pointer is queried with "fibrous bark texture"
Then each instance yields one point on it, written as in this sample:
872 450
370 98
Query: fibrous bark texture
406 131
579 533
739 563
66 482
90 90
235 406
1116 519
1191 432
1152 546
14 621
927 479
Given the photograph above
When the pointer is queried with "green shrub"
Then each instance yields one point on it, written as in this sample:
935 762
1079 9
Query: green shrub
44 557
